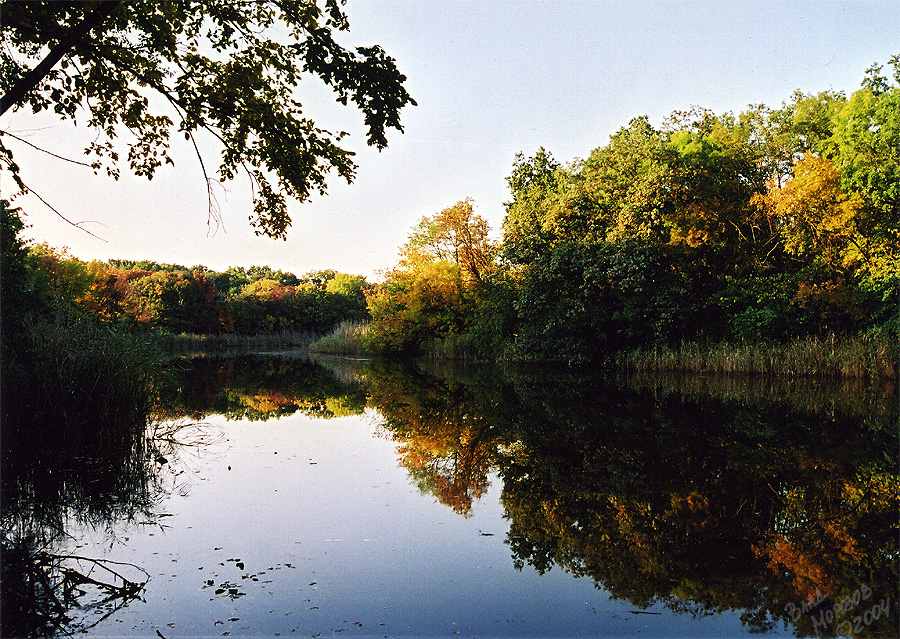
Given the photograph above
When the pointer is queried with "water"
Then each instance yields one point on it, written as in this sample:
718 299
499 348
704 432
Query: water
338 497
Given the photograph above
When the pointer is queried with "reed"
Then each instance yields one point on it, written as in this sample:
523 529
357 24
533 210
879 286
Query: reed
71 371
459 347
347 338
862 356
187 342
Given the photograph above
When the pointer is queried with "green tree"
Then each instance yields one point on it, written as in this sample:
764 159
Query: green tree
178 301
533 184
866 145
347 284
228 69
64 276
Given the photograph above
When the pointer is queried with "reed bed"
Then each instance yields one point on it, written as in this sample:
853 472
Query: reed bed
873 401
459 347
186 342
862 356
347 338
71 371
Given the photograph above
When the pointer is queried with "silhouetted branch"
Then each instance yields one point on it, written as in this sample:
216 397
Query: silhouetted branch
24 85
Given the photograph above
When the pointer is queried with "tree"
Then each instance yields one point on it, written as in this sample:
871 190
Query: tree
815 217
444 265
346 284
59 273
866 145
229 69
458 235
534 184
178 301
266 289
415 304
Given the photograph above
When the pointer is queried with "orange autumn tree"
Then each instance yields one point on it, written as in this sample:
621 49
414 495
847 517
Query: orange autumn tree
444 262
457 235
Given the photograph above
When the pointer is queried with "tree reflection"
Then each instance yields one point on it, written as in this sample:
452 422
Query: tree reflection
444 441
705 503
258 388
58 480
702 494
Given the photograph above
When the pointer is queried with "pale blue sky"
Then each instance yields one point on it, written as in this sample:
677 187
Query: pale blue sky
491 79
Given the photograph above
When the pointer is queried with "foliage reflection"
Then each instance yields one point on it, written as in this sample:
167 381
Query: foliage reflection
702 494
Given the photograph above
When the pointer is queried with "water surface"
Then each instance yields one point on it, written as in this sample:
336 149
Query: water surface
338 497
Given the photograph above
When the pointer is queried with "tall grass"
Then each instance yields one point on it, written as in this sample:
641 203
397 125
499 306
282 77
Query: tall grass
871 401
182 342
459 347
71 371
347 338
861 356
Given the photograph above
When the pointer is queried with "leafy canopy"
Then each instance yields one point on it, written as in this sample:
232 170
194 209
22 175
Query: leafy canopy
456 234
447 258
229 68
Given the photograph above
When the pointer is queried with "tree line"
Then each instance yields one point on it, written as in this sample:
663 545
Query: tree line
171 297
767 225
759 227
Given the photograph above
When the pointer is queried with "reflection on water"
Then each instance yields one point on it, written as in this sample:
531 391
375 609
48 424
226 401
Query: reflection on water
700 505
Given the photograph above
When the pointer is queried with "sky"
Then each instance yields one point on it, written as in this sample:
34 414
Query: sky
491 79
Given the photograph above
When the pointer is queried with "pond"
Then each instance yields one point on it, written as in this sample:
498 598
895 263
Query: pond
282 495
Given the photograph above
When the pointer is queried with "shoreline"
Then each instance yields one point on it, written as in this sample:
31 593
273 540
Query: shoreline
848 357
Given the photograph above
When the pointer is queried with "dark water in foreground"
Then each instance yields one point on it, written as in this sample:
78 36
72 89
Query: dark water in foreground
338 497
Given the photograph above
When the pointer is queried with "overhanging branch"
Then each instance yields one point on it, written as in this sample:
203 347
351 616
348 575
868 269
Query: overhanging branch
24 85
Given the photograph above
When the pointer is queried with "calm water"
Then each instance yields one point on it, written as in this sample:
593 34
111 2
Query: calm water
337 497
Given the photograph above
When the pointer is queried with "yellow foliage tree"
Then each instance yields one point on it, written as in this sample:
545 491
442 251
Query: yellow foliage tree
266 289
815 217
457 235
447 255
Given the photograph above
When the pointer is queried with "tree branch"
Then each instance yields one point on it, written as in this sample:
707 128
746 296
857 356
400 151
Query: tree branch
24 85
34 146
77 225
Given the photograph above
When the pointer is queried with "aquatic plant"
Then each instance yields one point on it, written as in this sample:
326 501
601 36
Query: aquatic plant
872 356
347 338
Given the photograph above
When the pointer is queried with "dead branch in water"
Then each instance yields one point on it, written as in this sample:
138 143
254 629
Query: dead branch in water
52 585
